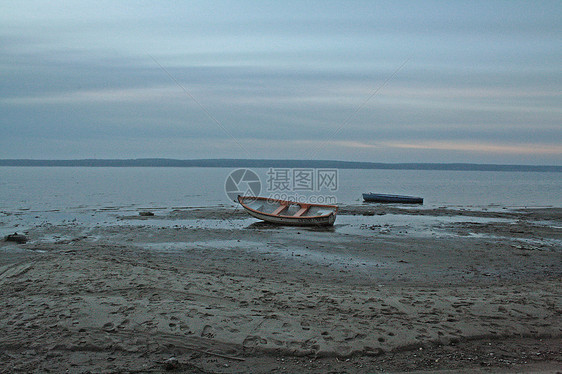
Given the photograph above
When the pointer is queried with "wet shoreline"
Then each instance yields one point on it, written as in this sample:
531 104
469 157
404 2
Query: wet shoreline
201 284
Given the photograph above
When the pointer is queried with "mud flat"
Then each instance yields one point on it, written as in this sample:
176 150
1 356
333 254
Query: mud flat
212 291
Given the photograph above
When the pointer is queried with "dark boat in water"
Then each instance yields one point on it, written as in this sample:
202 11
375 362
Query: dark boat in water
386 198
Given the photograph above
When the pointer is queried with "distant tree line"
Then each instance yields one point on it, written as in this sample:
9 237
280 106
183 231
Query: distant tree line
249 163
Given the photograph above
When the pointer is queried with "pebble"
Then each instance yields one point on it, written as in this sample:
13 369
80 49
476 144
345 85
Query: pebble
15 237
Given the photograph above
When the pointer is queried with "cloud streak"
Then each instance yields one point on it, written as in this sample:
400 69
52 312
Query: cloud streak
284 80
526 149
131 95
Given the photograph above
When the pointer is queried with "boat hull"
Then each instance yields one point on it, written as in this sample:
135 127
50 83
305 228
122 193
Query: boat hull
328 218
307 221
396 199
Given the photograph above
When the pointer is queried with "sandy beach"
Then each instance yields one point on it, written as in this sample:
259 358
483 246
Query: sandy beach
387 289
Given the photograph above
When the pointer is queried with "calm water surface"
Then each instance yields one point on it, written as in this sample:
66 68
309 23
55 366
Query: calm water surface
60 188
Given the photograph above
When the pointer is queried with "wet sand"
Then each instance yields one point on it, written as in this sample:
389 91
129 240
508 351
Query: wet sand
388 289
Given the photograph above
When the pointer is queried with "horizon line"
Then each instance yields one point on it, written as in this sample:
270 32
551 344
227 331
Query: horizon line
237 162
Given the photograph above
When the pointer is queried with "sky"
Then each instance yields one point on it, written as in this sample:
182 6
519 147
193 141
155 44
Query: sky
381 81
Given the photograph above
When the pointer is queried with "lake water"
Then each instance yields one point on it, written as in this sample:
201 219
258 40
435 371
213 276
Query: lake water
63 188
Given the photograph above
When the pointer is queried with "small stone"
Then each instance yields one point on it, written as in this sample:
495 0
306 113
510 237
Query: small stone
15 237
171 364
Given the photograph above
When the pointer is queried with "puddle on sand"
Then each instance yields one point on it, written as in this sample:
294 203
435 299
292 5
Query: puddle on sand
225 224
336 260
389 224
399 224
211 244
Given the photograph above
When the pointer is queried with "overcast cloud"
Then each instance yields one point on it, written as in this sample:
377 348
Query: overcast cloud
382 81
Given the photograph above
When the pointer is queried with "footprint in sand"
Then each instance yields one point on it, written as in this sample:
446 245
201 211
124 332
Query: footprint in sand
108 327
123 324
253 341
208 332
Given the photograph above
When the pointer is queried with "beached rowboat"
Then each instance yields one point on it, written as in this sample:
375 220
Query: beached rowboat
386 198
289 212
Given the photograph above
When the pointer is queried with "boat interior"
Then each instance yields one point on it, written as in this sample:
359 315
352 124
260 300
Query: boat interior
291 210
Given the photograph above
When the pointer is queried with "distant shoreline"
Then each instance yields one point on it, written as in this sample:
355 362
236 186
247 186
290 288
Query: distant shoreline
250 163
